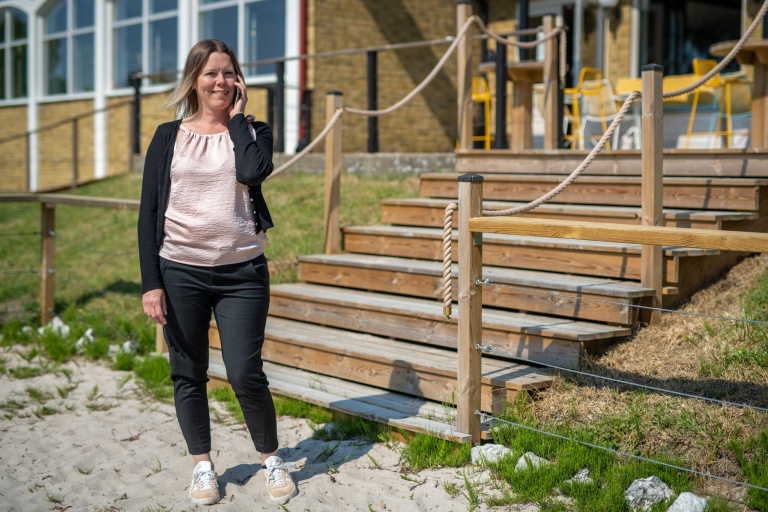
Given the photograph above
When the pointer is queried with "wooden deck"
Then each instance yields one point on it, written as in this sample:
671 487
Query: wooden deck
364 333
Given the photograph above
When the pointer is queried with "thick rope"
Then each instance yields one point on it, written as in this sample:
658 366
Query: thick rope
728 58
447 287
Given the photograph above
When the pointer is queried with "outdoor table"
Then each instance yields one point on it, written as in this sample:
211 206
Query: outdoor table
753 52
523 75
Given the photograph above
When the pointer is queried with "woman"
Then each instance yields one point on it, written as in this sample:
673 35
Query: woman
202 225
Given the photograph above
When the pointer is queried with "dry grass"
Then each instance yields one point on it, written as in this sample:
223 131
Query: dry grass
670 355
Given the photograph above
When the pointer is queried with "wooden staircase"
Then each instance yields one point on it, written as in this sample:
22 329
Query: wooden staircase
363 332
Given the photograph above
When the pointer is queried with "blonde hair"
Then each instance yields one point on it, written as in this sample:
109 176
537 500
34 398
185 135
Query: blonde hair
183 98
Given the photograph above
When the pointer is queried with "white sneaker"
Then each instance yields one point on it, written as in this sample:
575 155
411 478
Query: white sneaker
204 490
280 485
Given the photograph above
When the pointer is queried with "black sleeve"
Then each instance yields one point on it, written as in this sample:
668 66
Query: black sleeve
253 158
149 258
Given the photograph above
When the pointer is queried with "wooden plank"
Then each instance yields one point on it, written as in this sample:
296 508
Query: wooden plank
94 202
527 298
464 71
48 263
19 198
655 235
287 380
652 181
550 79
721 194
470 331
550 254
300 300
430 212
735 163
331 233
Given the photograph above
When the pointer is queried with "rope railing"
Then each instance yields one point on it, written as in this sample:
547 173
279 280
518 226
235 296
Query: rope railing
486 417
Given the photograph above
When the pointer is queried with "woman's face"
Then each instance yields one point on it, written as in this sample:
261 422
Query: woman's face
215 86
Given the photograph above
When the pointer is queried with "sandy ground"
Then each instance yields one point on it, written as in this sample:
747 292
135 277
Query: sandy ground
130 456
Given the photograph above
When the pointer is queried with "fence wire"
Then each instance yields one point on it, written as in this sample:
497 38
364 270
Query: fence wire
91 288
485 417
489 282
14 272
22 233
489 349
88 249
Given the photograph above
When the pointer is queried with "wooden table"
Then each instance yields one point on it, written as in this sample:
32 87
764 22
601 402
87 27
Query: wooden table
523 75
755 53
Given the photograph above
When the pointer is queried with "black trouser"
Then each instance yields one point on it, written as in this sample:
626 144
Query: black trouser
238 294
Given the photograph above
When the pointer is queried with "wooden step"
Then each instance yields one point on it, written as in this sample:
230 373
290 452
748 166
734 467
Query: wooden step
532 290
421 371
431 212
740 194
722 163
534 337
603 259
397 410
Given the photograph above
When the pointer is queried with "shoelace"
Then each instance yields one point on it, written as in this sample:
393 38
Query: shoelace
276 475
206 479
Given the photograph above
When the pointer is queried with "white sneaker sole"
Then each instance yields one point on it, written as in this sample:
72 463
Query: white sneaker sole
205 501
285 498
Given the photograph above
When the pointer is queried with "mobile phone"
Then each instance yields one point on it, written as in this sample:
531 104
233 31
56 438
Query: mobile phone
237 92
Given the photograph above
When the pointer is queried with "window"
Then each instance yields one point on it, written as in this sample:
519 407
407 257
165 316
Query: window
68 47
145 39
13 54
254 29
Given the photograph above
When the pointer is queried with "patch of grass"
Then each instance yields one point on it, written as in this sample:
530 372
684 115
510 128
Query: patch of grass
350 427
64 391
424 451
154 376
45 410
752 456
226 396
286 406
25 372
159 467
11 405
37 394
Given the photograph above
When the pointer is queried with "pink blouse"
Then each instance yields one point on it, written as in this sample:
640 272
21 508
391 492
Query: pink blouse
209 220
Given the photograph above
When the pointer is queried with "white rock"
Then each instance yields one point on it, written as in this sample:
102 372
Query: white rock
27 329
85 339
56 326
112 350
488 453
536 461
130 346
646 492
688 502
582 477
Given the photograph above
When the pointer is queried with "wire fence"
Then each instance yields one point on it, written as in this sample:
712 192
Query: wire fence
486 417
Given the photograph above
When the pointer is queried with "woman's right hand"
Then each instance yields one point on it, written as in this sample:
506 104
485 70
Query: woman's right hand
154 305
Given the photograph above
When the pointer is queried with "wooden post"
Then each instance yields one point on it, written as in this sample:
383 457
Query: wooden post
551 120
160 345
48 252
332 234
652 182
464 78
470 306
74 154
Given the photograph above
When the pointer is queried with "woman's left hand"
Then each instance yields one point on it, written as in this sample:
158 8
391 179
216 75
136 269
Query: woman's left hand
238 107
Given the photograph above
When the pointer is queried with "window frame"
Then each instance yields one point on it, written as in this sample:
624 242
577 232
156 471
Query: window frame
68 35
145 20
7 44
265 78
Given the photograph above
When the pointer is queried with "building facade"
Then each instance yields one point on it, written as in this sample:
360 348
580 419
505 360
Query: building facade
66 66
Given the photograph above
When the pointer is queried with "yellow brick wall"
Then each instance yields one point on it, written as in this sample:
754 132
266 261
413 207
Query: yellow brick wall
425 124
55 144
618 42
13 153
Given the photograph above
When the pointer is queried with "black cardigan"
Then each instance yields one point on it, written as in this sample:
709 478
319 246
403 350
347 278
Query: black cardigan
253 163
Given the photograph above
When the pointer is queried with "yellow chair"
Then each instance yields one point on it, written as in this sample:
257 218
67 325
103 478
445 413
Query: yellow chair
481 94
733 96
571 99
